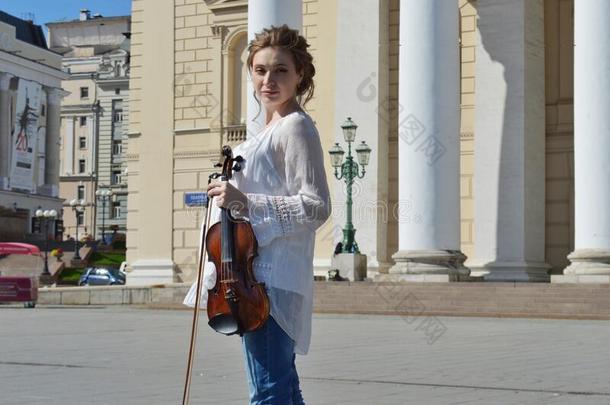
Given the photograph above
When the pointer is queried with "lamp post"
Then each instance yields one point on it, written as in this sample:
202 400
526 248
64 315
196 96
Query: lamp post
350 170
77 206
46 216
104 195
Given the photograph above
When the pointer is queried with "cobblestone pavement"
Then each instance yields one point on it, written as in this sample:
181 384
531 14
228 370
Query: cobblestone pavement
128 356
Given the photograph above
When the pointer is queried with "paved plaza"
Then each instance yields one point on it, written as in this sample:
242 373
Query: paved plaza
126 356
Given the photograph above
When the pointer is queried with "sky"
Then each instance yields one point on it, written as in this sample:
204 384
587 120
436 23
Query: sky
45 11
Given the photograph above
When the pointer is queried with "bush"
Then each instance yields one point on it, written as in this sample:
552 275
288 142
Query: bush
70 275
119 245
106 259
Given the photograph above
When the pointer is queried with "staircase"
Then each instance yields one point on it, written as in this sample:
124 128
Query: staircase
545 300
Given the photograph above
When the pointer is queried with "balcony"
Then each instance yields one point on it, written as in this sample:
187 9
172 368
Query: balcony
234 133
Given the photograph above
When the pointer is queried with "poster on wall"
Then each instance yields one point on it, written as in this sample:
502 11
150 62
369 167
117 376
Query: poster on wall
25 136
42 137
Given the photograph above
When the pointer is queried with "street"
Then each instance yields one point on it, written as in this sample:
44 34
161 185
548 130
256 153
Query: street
124 355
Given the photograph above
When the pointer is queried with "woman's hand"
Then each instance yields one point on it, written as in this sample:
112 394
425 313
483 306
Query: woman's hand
227 196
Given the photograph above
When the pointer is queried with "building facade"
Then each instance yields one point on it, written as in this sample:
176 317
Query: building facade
470 108
30 97
95 53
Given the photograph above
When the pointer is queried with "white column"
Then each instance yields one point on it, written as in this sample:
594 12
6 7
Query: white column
509 177
264 14
365 85
429 202
591 254
5 130
51 177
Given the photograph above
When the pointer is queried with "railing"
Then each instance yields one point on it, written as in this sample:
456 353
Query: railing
235 133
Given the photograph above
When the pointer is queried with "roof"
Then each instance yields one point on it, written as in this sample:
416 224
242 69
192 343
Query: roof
90 20
25 31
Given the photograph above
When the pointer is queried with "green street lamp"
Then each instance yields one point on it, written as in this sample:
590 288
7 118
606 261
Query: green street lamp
45 217
104 194
78 206
350 170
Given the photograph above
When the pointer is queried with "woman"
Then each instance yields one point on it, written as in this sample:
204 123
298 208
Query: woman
282 190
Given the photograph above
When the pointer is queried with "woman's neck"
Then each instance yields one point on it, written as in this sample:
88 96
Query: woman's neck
289 107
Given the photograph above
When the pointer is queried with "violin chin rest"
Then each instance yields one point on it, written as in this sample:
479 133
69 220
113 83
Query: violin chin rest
225 324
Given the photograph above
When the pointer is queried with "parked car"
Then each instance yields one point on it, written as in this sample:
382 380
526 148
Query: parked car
102 276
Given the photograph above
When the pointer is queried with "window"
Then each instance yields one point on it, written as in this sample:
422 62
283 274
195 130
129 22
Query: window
116 209
80 194
117 91
81 166
117 147
80 218
84 92
82 142
117 110
83 121
117 177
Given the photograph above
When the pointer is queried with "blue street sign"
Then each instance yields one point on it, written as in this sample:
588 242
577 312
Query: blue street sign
195 199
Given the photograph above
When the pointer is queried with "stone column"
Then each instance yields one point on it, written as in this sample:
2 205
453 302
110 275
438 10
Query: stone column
263 14
5 130
150 236
428 210
365 84
591 256
52 158
509 178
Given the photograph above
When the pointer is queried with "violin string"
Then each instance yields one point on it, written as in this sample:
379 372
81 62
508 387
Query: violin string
222 262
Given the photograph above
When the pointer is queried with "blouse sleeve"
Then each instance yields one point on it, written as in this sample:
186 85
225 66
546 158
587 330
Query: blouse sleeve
209 269
307 203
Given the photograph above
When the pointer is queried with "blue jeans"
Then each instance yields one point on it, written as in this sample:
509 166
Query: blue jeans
272 375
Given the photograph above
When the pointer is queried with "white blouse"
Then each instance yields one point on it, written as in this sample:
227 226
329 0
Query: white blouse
284 180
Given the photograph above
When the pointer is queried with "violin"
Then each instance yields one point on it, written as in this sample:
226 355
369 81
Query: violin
238 303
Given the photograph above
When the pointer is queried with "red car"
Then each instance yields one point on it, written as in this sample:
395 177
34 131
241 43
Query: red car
18 288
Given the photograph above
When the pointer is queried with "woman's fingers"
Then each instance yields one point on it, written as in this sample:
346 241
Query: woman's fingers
216 188
226 195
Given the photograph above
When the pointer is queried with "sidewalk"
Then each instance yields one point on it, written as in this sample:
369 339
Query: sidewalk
121 355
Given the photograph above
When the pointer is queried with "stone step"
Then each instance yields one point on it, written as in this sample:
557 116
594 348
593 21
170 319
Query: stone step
406 299
494 299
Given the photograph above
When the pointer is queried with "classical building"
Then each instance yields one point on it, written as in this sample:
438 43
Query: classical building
30 97
487 122
94 116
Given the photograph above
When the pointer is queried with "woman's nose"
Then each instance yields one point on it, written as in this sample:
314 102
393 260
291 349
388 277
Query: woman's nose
268 77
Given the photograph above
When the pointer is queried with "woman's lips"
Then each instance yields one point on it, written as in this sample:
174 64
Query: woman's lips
269 92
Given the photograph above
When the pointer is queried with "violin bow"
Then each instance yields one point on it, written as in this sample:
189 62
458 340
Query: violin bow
202 257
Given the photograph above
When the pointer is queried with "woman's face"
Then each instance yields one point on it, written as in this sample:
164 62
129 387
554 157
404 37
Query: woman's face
274 77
